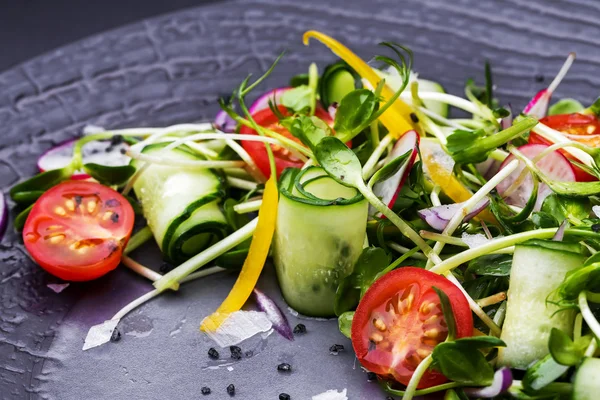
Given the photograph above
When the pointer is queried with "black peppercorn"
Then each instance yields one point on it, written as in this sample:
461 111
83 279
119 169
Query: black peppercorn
236 352
371 376
213 353
299 329
336 348
284 396
231 389
284 367
205 390
249 353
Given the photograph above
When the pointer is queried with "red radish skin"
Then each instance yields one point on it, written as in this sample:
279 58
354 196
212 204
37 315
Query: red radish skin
389 189
553 165
263 101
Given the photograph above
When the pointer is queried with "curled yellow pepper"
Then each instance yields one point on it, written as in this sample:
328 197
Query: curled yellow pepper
397 118
255 261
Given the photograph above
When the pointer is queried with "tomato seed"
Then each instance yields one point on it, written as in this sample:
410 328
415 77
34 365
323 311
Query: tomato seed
91 206
431 333
423 352
379 324
376 337
60 211
107 215
70 204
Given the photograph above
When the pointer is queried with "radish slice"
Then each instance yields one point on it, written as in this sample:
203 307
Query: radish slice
109 153
538 106
439 216
224 122
263 101
554 165
388 190
3 215
332 110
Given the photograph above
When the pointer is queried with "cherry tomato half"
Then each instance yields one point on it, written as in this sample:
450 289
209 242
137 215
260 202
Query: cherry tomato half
77 230
399 321
283 157
581 128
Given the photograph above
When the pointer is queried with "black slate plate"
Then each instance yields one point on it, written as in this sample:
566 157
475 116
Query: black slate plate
172 69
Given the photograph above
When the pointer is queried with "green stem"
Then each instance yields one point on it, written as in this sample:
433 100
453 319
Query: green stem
170 280
313 81
489 143
421 392
374 133
402 226
411 388
138 239
593 297
588 315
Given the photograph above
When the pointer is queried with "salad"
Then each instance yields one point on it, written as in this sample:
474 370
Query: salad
455 239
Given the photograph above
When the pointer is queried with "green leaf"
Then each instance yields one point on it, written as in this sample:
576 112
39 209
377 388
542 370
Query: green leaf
109 175
299 80
20 220
481 342
554 245
563 349
578 280
345 323
448 314
565 106
310 130
571 209
354 111
339 161
463 364
594 108
572 189
40 182
371 261
491 265
460 139
27 197
390 169
544 220
298 99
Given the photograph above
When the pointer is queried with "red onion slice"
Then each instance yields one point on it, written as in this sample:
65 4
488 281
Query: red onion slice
554 165
274 314
263 101
502 381
224 122
99 152
560 233
438 217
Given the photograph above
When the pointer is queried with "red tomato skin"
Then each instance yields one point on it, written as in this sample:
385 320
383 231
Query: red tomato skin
51 261
386 287
257 150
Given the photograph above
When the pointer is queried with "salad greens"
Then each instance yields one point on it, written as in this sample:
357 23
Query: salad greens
359 173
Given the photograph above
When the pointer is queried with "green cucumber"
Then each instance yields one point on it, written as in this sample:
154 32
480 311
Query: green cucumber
538 269
587 380
317 239
395 82
336 82
181 205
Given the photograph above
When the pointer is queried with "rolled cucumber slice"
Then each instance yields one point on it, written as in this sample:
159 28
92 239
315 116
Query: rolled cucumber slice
317 240
587 380
538 268
181 204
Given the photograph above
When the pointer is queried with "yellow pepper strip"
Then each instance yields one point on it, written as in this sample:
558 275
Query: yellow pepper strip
254 263
451 186
397 118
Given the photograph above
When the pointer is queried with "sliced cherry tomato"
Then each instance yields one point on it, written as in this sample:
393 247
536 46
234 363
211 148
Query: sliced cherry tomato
399 321
77 230
283 157
581 128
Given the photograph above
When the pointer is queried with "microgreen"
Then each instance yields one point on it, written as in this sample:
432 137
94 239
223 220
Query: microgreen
565 106
345 323
299 99
564 350
448 314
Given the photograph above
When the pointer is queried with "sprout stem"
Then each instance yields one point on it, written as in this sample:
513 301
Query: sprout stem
249 206
411 388
140 269
490 300
587 314
138 239
367 170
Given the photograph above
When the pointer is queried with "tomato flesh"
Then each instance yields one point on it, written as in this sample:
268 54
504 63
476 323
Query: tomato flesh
77 230
581 128
283 157
400 320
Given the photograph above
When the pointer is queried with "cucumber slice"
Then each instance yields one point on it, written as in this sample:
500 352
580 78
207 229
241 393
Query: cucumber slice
542 373
536 273
395 82
317 240
587 380
337 81
181 205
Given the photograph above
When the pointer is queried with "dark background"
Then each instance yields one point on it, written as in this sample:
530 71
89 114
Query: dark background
31 27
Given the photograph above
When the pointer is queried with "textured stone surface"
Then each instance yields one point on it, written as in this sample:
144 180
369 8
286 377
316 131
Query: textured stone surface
172 69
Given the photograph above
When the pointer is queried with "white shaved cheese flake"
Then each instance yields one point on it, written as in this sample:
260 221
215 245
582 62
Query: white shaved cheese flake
239 326
92 129
100 334
596 210
331 395
474 241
